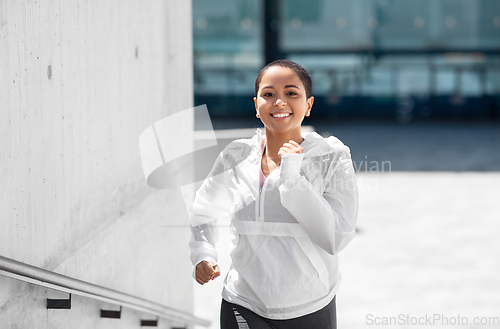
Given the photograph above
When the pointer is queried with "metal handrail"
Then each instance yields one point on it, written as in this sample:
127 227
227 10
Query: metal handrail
32 274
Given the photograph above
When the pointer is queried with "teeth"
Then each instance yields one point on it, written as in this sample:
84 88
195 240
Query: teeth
281 115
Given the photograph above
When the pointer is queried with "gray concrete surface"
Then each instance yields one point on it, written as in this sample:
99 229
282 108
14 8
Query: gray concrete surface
79 82
428 244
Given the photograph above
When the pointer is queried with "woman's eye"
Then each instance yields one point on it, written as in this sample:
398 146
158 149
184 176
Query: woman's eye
268 94
292 93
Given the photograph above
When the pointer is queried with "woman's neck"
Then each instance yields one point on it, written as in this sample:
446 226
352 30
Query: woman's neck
275 141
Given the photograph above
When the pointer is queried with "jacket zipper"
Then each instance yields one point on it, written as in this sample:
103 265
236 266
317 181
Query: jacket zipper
260 193
260 198
258 182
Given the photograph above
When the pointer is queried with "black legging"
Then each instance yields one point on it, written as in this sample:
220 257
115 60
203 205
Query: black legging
234 316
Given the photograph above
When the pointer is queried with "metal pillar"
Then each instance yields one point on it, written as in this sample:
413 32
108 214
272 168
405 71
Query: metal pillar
271 30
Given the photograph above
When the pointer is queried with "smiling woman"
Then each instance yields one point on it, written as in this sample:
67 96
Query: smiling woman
282 100
292 200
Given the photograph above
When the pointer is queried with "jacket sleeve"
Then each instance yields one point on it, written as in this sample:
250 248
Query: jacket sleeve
328 218
212 202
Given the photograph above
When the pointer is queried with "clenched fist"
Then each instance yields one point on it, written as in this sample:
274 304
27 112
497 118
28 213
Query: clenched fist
292 147
206 272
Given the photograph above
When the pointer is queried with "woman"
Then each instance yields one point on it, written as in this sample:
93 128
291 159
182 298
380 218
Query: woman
292 200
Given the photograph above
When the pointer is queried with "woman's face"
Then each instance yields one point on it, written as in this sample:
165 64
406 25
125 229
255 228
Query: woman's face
281 101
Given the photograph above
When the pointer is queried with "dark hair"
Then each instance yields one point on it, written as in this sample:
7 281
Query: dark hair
299 70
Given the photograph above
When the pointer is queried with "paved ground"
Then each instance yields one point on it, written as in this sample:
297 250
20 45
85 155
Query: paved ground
427 250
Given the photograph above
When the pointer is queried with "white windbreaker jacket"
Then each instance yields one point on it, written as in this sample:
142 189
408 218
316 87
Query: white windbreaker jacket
287 234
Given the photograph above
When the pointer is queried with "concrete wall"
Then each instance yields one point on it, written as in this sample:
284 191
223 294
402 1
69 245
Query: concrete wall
79 82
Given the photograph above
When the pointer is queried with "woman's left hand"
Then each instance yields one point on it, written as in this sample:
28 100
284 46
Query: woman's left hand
292 147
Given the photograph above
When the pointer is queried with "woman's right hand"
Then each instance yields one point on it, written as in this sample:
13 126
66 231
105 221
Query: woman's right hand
206 272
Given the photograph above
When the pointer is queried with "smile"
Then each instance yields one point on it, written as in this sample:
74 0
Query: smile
281 115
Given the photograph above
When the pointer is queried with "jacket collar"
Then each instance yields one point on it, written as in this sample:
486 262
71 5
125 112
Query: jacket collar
311 139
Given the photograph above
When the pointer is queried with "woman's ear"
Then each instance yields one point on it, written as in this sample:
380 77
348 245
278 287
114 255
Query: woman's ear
310 102
256 108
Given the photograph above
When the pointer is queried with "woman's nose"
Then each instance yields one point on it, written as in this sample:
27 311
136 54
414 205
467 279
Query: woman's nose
279 102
